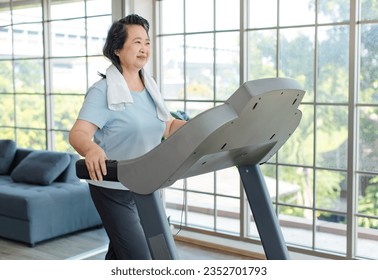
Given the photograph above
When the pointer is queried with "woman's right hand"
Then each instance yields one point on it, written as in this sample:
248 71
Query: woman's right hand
95 162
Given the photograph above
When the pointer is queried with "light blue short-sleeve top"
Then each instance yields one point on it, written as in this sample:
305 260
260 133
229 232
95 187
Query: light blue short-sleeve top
124 134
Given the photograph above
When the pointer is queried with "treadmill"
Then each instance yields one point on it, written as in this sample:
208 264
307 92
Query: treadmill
245 131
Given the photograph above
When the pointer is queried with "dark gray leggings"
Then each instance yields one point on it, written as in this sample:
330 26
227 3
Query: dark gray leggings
120 218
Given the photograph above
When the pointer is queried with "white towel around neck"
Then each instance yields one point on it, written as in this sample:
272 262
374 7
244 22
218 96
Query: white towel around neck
118 93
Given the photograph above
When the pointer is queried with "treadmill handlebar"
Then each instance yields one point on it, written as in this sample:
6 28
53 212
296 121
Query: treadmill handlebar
111 168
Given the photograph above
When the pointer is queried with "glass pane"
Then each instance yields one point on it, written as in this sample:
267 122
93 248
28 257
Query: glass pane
271 184
273 159
369 10
96 65
30 111
7 133
29 76
174 106
194 108
296 225
201 183
295 186
367 139
5 13
26 11
72 70
174 205
171 16
97 30
269 172
200 210
61 9
6 111
228 182
299 148
297 12
333 11
227 16
98 7
228 215
262 54
332 136
28 40
65 110
199 15
333 64
296 57
330 232
227 64
262 13
369 64
61 142
6 47
172 67
6 76
199 66
367 242
31 138
368 197
251 226
331 190
68 37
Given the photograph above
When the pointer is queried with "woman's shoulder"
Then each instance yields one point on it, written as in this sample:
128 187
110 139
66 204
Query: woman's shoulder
99 85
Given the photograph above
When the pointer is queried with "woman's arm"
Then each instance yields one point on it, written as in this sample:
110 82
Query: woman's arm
80 138
172 125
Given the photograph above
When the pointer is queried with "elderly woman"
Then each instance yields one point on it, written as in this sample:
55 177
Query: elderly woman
123 116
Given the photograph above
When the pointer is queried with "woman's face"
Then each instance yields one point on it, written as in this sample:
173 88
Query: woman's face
136 50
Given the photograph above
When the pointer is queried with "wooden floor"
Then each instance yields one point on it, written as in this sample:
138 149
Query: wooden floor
92 245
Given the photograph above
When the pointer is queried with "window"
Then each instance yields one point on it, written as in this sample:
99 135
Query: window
43 77
204 57
323 182
200 67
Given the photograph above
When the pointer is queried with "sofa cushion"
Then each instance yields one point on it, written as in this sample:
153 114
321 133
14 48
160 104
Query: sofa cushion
40 167
7 152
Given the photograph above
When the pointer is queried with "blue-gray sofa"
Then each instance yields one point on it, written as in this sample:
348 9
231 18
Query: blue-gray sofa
40 196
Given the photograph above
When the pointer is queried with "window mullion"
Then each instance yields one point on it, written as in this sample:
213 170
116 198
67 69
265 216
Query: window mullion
352 130
47 73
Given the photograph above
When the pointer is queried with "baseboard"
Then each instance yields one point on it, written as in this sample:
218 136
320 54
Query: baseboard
213 242
251 250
